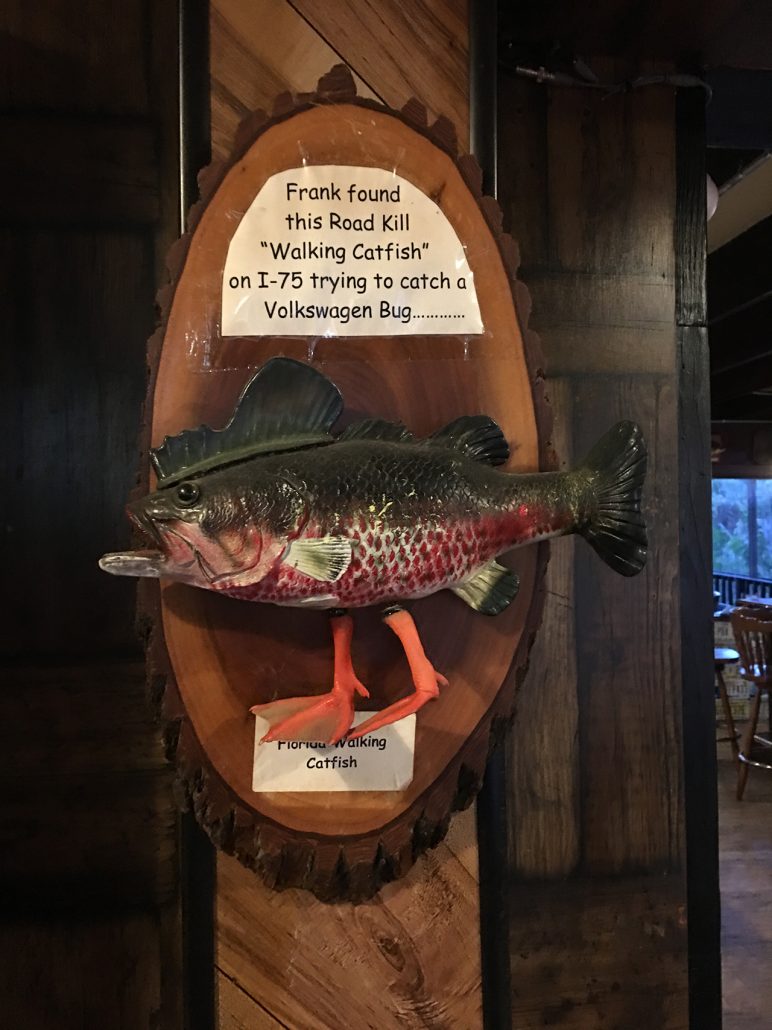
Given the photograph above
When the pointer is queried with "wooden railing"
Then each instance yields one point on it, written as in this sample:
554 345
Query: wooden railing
731 588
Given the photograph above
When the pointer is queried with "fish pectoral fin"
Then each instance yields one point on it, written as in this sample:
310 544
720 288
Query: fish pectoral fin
325 558
490 590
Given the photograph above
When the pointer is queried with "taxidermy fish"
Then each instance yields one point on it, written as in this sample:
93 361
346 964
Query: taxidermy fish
276 508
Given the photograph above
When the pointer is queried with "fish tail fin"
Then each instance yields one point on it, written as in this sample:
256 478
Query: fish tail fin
614 526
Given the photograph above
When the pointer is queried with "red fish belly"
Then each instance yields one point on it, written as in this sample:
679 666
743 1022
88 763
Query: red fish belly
391 563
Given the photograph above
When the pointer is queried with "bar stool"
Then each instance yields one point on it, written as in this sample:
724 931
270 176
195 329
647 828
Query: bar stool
753 635
726 656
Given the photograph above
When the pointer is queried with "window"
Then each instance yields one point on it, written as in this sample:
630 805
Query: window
742 527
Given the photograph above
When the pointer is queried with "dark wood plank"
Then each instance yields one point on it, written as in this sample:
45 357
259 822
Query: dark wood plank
596 783
89 817
627 653
74 171
736 33
493 811
543 751
70 57
91 936
91 972
695 559
77 315
608 955
609 246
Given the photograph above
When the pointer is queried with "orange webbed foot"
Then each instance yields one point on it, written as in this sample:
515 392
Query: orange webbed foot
426 679
324 719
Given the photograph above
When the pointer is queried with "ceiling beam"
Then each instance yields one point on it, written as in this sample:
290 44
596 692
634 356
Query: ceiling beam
741 381
742 336
754 408
741 271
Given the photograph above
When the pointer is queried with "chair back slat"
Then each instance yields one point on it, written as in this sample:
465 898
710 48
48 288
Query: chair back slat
753 634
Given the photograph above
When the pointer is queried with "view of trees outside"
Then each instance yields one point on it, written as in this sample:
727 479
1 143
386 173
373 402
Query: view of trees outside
742 527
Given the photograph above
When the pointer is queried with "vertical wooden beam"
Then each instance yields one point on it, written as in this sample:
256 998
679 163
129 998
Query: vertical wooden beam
197 852
703 905
492 809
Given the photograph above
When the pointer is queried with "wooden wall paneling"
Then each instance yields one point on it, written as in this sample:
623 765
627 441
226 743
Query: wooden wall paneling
91 935
627 654
89 781
588 186
696 567
105 170
402 50
544 796
66 57
260 50
596 952
410 957
77 366
98 971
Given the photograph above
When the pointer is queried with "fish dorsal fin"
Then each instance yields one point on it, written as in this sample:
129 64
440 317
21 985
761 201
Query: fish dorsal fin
376 429
286 406
476 435
490 590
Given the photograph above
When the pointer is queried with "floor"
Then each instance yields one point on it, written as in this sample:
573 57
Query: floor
745 849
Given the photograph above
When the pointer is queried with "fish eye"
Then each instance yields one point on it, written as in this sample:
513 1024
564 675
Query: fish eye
188 493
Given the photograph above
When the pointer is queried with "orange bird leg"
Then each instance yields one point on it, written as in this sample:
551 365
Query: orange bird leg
426 679
327 718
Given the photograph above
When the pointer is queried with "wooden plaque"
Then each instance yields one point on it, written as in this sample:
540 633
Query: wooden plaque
211 657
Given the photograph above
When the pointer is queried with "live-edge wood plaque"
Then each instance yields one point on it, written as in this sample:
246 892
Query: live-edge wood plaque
212 658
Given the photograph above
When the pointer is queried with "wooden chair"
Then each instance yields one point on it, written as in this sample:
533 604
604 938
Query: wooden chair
726 656
753 634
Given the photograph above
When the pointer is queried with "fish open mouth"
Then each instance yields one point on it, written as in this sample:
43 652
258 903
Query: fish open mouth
173 554
148 564
177 550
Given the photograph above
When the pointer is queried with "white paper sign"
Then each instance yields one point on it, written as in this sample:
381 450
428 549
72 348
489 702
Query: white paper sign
382 760
339 250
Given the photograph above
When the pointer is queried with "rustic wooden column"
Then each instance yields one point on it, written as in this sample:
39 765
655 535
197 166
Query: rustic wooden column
90 887
598 905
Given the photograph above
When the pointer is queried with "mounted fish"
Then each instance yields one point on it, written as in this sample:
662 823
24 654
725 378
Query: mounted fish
355 242
276 508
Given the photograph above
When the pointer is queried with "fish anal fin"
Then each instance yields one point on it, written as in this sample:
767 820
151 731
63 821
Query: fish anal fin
323 558
490 590
478 436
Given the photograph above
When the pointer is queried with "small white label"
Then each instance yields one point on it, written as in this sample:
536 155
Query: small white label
382 760
340 250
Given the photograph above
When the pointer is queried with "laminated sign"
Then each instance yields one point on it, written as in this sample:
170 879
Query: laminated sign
341 250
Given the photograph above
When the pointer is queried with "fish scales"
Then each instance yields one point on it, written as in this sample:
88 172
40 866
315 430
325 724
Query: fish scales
418 517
